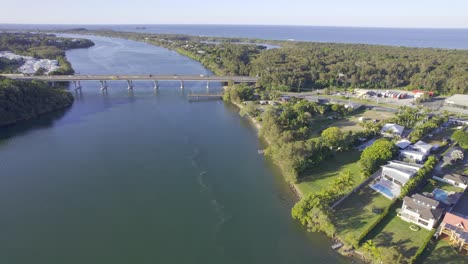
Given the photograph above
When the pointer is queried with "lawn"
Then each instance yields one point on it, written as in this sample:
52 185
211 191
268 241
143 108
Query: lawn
354 215
437 138
394 232
321 176
441 185
351 122
440 251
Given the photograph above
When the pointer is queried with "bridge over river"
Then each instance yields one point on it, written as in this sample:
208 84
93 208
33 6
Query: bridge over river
76 79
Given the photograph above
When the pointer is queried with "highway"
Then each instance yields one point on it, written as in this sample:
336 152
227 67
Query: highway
134 77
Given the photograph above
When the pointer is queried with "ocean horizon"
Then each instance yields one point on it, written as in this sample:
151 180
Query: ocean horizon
447 38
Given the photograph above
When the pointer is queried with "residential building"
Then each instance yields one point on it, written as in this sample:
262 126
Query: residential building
422 210
422 146
412 155
454 179
455 226
392 130
394 175
403 143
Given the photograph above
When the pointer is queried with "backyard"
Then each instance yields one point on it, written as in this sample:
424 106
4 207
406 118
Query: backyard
355 214
440 251
394 232
321 176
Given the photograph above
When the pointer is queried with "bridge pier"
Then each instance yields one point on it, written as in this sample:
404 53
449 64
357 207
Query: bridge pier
77 85
181 84
156 85
130 84
103 85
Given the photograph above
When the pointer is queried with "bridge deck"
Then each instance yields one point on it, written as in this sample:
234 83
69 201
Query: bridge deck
133 77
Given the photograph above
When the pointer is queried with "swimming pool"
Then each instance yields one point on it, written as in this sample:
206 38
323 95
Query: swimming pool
440 195
383 190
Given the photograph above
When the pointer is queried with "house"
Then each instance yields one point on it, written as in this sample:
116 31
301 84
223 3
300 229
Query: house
403 144
422 146
353 106
392 130
455 225
394 175
412 155
285 98
399 172
454 179
422 210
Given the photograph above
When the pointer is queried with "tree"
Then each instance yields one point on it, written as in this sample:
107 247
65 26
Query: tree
249 109
333 137
457 155
381 151
461 137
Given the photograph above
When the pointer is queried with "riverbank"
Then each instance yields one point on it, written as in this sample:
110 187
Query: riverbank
257 125
21 101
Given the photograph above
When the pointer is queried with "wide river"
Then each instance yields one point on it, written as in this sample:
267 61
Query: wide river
145 177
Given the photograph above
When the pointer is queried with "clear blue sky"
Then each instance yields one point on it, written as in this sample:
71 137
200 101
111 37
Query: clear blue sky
369 13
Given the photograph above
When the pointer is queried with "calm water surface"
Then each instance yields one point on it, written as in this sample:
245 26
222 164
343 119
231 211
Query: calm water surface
143 177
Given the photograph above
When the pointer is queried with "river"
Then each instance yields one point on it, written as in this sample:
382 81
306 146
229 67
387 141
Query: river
145 177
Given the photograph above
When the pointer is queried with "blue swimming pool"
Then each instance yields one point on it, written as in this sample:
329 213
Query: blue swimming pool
440 195
383 190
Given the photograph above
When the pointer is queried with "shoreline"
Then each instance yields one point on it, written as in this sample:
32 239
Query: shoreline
293 187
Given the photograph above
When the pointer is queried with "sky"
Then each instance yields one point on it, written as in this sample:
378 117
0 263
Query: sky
356 13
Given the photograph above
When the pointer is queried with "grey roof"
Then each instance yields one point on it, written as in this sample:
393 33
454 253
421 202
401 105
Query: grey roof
423 146
400 171
393 127
402 144
426 207
457 178
458 99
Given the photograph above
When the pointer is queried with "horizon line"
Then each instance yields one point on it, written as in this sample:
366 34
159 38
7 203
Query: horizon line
272 25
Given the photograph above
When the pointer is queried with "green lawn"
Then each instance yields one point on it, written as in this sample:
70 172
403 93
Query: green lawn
354 215
441 185
394 232
320 177
440 251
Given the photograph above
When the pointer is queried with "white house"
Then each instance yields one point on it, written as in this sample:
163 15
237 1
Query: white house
422 210
392 130
417 156
454 179
422 147
394 175
399 172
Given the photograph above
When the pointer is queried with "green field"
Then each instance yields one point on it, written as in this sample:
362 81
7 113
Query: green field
320 177
394 232
354 215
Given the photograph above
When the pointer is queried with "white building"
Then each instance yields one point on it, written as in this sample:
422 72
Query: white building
392 130
422 146
421 210
394 176
416 156
453 179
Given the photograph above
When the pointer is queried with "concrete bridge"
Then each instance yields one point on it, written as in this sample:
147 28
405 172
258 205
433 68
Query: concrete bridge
103 78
